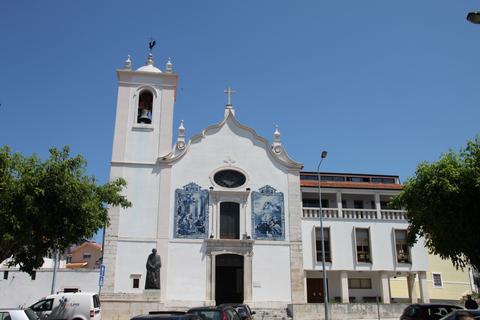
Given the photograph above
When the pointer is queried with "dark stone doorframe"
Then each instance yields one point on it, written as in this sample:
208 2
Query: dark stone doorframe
226 246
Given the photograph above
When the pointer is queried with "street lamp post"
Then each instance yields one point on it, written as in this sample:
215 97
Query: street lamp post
323 155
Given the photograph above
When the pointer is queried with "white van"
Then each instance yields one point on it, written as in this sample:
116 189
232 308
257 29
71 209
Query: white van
69 306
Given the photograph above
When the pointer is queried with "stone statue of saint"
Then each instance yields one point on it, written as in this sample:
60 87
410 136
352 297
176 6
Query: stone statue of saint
152 280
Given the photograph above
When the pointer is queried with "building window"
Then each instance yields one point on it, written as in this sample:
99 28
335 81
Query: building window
401 246
358 204
362 238
358 179
318 244
230 220
229 178
313 203
384 204
136 283
359 283
384 180
145 102
5 275
332 178
135 280
310 203
437 280
87 256
34 275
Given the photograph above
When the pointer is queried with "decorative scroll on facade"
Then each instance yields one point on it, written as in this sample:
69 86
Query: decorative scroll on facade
268 216
191 212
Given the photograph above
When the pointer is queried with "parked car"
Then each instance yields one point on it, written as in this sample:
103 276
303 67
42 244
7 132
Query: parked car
463 315
243 310
18 314
69 306
215 313
427 311
167 315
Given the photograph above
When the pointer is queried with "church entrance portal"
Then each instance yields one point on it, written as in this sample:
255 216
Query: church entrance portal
229 279
229 220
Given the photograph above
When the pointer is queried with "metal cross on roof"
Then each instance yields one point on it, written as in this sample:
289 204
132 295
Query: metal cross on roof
229 91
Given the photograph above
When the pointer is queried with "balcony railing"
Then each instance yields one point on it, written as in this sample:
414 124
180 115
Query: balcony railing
394 215
327 212
354 214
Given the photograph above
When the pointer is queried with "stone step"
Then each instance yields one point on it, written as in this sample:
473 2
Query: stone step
271 314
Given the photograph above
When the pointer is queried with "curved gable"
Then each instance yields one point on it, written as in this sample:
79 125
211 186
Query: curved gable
230 120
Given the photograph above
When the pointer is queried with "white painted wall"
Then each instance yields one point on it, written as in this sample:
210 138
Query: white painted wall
140 221
187 271
343 249
20 290
131 260
271 273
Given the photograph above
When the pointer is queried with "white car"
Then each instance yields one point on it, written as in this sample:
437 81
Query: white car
69 306
17 314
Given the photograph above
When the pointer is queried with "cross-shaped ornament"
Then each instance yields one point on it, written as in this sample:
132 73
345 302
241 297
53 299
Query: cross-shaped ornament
229 91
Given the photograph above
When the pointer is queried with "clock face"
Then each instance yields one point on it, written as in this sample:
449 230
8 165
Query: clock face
180 145
278 149
229 178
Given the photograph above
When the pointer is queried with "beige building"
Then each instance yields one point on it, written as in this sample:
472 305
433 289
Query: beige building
445 282
87 255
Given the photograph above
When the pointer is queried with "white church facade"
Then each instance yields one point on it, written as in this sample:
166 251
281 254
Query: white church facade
234 219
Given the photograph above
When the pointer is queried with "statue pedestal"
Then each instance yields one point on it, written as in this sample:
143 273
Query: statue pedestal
151 294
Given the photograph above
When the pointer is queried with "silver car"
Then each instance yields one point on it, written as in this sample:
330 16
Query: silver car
18 314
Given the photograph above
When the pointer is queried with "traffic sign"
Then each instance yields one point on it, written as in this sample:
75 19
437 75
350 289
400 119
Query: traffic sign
102 270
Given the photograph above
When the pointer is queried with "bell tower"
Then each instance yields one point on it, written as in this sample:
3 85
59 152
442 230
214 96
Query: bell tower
143 134
144 119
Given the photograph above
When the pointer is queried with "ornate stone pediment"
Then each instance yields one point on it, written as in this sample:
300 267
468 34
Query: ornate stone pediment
234 246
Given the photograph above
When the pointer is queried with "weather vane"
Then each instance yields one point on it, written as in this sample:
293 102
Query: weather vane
151 44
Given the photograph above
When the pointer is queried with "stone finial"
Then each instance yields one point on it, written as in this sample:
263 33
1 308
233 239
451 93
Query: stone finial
277 143
181 130
169 66
128 63
181 136
276 134
150 59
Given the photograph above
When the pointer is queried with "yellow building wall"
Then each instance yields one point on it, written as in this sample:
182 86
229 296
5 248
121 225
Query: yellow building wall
456 283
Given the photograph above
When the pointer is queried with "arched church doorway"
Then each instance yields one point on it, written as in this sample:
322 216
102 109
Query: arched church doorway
229 279
229 220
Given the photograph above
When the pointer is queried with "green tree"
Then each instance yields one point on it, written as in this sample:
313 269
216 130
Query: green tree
49 205
443 204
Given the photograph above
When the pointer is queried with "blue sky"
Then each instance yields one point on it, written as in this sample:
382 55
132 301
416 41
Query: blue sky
381 85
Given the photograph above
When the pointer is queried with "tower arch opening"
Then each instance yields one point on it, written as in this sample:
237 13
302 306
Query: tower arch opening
145 107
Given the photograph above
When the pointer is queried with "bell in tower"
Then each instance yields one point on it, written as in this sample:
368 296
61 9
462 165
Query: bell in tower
145 107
